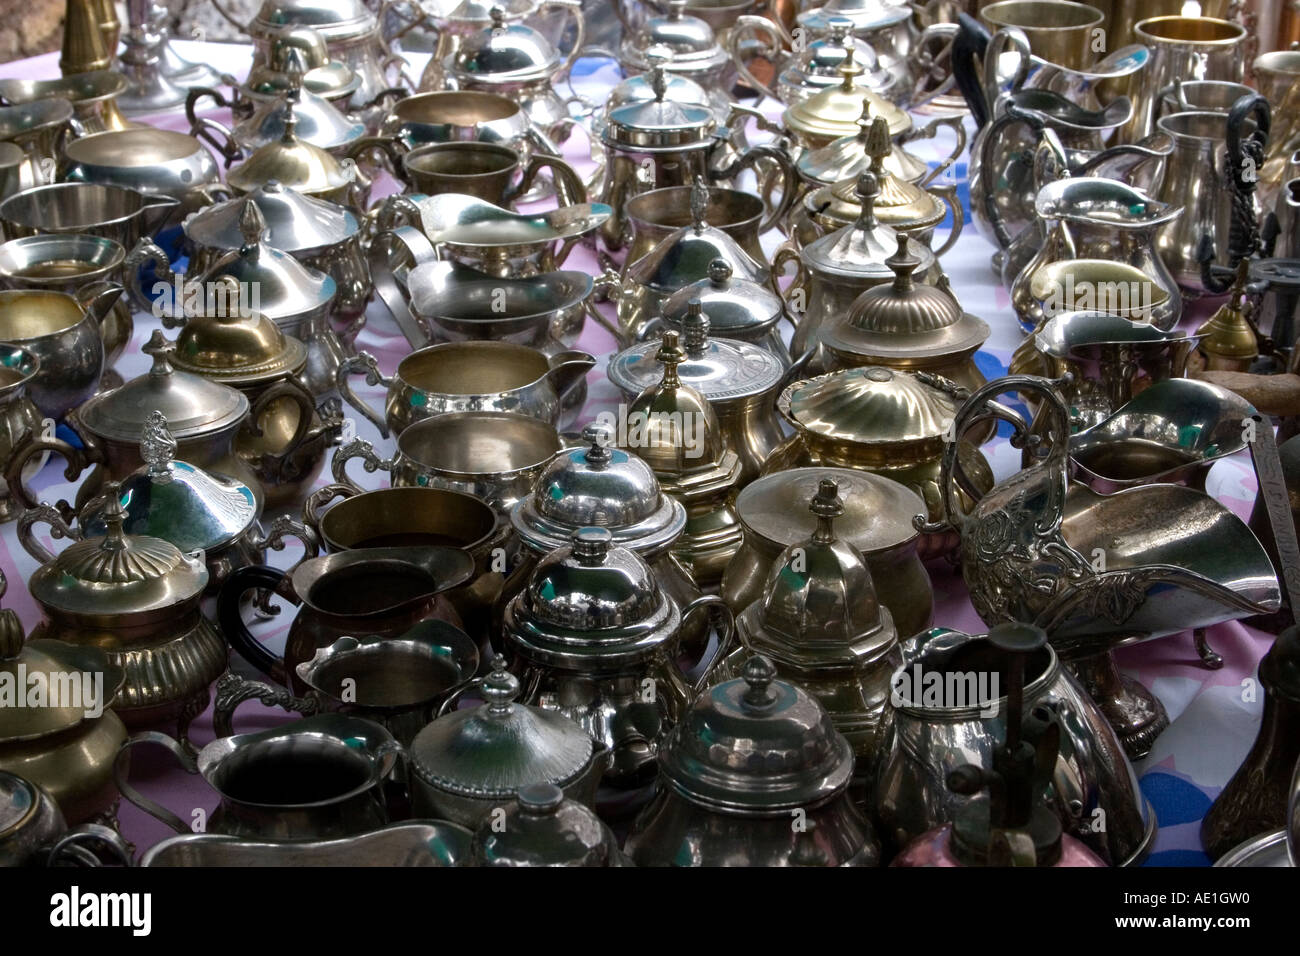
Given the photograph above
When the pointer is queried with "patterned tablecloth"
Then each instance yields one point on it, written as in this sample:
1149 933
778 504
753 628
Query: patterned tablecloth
1212 726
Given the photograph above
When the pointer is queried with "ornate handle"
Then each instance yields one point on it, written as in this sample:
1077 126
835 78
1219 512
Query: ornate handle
35 444
355 364
967 56
929 131
313 508
748 26
991 134
122 768
1015 39
357 448
391 150
88 845
233 690
285 527
932 48
948 193
148 251
231 620
787 253
210 131
789 179
59 528
574 9
393 253
976 410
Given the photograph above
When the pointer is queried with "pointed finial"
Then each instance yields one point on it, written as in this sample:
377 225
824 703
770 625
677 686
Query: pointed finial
158 348
500 688
849 69
867 191
699 204
114 515
252 224
878 145
827 506
695 328
904 264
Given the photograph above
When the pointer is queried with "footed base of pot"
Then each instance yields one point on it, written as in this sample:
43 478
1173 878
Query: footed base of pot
1135 714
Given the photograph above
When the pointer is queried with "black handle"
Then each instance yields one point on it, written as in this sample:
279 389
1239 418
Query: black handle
967 59
232 621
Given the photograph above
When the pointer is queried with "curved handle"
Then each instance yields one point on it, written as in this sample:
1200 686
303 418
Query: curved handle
967 57
570 190
574 9
215 134
1006 40
933 48
148 251
948 193
748 26
392 150
448 705
786 253
233 690
314 507
122 767
392 254
253 577
285 527
353 365
726 635
281 462
931 129
35 444
978 408
59 528
357 448
789 179
87 845
1246 164
991 134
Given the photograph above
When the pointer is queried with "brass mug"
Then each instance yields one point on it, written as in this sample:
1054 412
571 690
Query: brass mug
1059 31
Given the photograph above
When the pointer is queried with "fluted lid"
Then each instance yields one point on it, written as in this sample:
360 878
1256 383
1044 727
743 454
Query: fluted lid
286 289
292 222
834 112
737 307
19 661
493 751
176 501
118 573
292 162
192 405
819 67
603 487
847 157
877 510
590 607
756 745
871 406
316 120
721 370
513 52
906 319
860 249
819 608
899 202
542 828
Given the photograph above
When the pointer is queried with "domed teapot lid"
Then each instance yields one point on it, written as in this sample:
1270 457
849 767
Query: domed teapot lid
292 222
598 486
21 658
906 320
689 41
847 157
721 370
820 608
176 501
299 56
677 432
872 406
685 255
590 606
286 289
235 347
863 15
542 828
736 306
660 123
860 249
756 745
641 89
335 20
317 120
292 162
118 573
834 112
192 405
495 750
513 52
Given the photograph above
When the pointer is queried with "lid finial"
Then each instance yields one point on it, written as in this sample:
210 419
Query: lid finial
598 438
157 446
699 204
695 328
878 144
759 672
867 191
904 264
252 224
670 355
113 516
719 272
591 545
827 506
11 635
540 799
158 348
500 688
